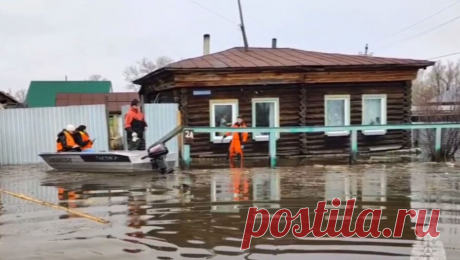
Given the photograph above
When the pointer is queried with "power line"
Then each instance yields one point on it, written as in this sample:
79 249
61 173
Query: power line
209 10
443 56
417 23
422 33
224 37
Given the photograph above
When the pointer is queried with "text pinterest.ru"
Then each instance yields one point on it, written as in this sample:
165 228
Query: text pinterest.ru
304 229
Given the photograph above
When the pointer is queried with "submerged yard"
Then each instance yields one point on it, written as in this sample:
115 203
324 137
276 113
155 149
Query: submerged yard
201 214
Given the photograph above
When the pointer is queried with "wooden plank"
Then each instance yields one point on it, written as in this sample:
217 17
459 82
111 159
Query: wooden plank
241 79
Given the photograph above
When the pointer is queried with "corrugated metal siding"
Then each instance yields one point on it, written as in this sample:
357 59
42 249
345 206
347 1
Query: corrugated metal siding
124 110
161 119
24 133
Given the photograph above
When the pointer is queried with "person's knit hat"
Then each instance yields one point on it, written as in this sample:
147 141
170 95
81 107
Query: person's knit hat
135 102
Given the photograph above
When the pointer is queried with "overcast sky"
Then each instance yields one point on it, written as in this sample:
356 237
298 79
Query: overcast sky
48 39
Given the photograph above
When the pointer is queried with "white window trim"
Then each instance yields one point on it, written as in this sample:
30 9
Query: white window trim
276 102
347 113
383 114
234 104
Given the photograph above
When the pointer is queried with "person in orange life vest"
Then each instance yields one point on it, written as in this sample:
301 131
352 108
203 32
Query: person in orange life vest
66 142
238 139
135 123
82 139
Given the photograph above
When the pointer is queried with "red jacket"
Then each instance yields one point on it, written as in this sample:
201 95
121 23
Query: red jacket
135 122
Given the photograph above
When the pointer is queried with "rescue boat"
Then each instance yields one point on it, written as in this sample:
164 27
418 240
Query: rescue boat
156 158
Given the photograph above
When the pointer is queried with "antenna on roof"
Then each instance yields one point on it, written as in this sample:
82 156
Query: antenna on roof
366 51
243 31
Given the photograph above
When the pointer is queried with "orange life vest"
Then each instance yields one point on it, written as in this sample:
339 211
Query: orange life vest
85 137
69 140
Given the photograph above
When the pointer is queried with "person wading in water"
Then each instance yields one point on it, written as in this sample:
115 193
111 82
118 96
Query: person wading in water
238 139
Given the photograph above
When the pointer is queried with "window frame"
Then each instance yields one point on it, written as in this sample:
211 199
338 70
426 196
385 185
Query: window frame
383 112
264 138
347 102
212 102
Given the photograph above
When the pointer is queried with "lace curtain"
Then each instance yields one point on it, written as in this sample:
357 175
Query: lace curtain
335 113
373 111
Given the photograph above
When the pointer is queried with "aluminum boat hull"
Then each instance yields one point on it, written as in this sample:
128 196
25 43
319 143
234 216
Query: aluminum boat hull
103 162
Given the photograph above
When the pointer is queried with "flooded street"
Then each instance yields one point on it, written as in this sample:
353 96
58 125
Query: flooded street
201 214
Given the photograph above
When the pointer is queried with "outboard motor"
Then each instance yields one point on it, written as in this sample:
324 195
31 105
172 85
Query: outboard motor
157 153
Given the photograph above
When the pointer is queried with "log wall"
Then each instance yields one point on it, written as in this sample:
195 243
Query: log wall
398 112
196 112
300 105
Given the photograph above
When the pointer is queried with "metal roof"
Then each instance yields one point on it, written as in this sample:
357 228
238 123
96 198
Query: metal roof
285 57
8 96
43 93
116 100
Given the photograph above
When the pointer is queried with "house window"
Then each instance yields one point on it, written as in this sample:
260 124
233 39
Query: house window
223 113
374 112
337 113
265 113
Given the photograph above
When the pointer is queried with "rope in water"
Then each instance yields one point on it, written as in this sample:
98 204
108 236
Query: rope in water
51 205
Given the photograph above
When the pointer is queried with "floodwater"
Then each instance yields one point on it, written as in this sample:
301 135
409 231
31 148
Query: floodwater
201 214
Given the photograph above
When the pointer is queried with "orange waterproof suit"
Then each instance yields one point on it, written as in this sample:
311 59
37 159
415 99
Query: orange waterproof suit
237 140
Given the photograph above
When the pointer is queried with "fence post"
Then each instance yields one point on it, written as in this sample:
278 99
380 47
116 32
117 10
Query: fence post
353 146
186 155
107 115
180 140
438 143
272 148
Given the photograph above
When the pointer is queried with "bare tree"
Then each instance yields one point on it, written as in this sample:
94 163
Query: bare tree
142 68
436 98
97 77
163 61
19 95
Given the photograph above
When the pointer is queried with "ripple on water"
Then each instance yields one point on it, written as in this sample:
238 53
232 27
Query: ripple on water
156 215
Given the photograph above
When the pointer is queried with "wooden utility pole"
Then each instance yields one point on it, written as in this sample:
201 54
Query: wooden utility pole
243 31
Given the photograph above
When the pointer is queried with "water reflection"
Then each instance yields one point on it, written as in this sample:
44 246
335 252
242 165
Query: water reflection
234 188
266 190
438 191
202 214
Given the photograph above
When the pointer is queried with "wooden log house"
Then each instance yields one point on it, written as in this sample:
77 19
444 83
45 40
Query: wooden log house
271 87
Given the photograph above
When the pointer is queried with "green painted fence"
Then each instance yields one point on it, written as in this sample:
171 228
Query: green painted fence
314 129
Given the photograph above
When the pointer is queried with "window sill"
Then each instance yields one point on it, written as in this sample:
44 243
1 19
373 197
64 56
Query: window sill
220 140
374 132
263 138
337 133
